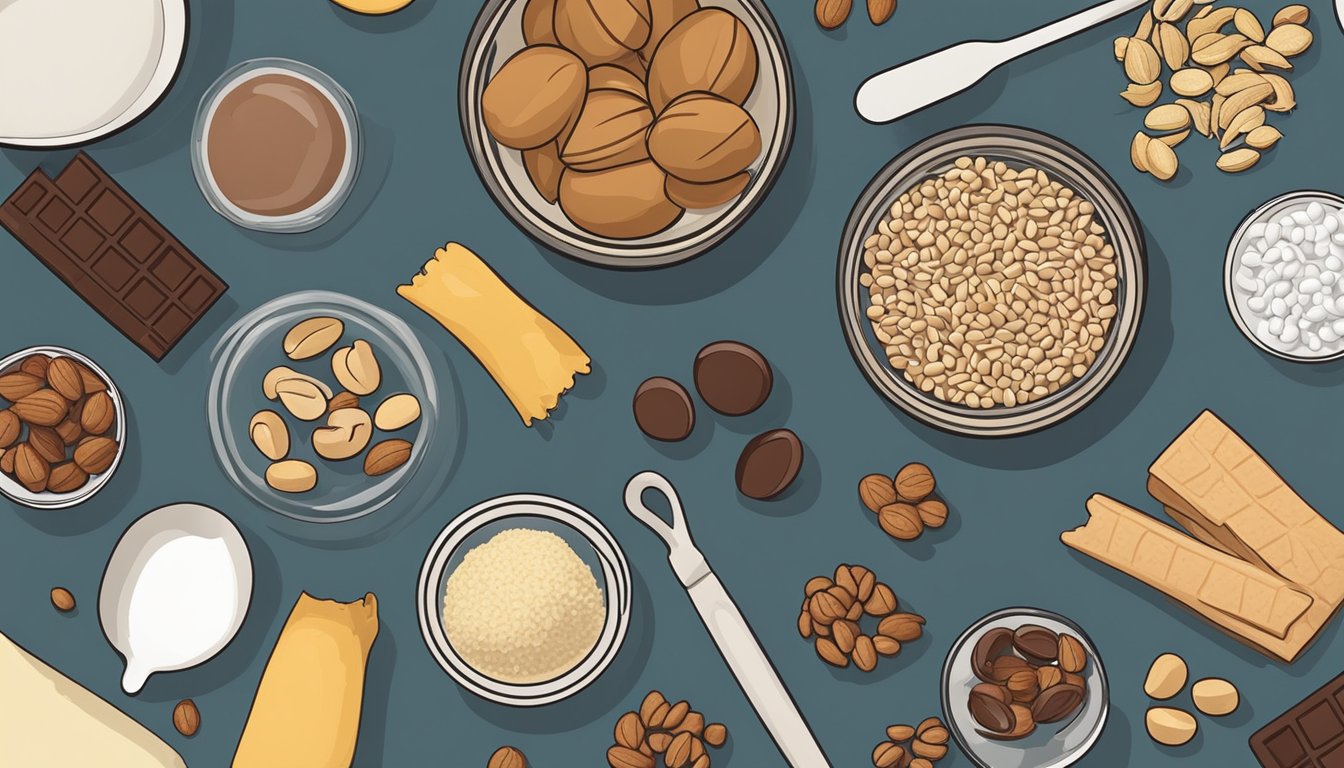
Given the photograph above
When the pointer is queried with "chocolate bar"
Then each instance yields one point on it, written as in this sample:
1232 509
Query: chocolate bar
1309 735
97 239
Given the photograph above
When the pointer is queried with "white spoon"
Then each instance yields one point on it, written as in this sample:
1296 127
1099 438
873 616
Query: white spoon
914 85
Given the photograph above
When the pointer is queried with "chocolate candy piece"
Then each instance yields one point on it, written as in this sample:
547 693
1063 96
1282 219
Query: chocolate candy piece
1309 735
98 240
1056 703
991 711
1037 644
733 378
991 645
769 464
663 410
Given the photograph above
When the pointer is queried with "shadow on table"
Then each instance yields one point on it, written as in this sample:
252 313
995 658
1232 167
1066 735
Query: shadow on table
597 699
167 127
730 261
106 504
1115 402
372 742
1302 667
246 647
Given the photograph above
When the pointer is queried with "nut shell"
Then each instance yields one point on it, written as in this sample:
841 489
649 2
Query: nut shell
30 469
386 456
610 132
98 413
622 203
533 96
914 482
63 376
694 196
708 50
602 31
95 454
702 138
17 385
901 521
66 477
665 15
45 408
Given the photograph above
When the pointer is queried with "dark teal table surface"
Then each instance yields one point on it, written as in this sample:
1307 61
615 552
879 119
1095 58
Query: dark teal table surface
770 284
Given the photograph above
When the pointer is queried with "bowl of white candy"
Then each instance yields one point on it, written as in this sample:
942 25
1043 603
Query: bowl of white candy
1285 276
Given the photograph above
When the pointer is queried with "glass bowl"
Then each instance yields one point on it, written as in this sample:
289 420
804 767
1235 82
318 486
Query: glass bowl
1018 147
1236 300
1050 745
325 208
253 346
46 499
593 543
498 34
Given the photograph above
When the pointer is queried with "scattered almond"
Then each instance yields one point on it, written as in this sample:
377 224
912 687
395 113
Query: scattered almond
1238 160
1191 82
186 718
1142 65
62 600
1263 137
1161 160
1292 14
1142 95
832 13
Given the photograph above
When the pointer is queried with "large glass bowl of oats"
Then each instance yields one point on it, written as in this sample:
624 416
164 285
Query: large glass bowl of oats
991 280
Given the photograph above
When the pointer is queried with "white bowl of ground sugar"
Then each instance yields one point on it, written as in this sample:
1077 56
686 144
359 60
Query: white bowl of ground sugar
524 600
1284 280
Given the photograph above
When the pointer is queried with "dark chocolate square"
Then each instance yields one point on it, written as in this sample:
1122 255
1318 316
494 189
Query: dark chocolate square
28 198
171 268
197 295
109 212
114 269
173 322
82 240
1320 725
1286 748
55 215
78 179
1332 759
1339 698
144 299
141 241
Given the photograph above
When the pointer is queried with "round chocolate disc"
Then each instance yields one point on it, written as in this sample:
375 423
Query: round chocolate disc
733 378
663 409
769 464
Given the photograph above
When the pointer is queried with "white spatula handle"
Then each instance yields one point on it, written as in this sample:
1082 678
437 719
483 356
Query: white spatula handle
914 85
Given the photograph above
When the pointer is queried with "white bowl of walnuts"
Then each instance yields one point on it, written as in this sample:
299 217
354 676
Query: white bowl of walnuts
627 133
62 427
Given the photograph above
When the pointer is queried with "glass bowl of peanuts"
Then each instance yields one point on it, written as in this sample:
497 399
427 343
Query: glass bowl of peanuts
991 280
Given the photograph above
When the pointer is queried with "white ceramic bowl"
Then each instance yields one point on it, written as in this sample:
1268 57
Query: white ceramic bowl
46 499
593 543
498 34
1018 147
1052 745
1236 301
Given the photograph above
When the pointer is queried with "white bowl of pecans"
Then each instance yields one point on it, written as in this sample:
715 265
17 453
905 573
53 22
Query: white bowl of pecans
991 280
62 428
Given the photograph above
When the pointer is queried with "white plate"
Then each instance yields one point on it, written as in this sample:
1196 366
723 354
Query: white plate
175 590
73 71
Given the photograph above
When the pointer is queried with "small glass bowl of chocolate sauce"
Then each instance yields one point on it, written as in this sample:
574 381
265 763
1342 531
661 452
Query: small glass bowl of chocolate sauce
276 146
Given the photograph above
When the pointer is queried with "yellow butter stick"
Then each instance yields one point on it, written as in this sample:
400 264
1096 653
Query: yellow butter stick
306 712
531 358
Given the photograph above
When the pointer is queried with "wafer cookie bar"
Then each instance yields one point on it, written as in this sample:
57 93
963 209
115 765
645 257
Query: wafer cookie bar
1230 592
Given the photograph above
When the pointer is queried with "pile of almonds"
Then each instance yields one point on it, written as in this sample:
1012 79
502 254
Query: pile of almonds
56 432
831 14
1031 675
674 731
1221 101
349 428
917 747
905 505
833 608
